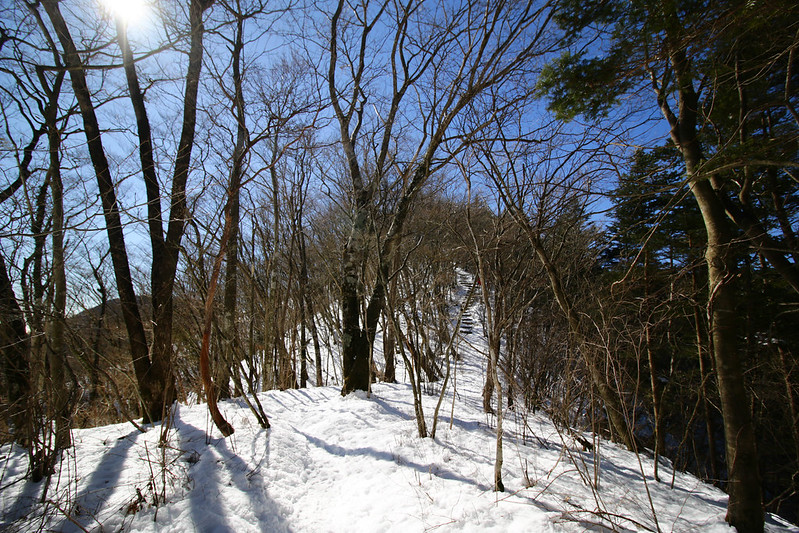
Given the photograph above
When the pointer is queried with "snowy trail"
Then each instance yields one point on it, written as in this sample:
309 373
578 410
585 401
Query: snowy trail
355 463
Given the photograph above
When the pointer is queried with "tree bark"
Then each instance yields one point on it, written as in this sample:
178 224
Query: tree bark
234 194
113 223
14 351
745 510
164 268
56 346
205 366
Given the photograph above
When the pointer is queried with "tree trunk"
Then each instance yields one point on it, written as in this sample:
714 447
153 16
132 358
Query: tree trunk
354 341
34 297
660 434
488 386
494 355
745 510
164 269
231 336
389 338
413 374
655 385
494 330
159 374
205 367
15 344
113 223
303 345
99 329
14 352
389 353
303 296
704 376
56 346
315 337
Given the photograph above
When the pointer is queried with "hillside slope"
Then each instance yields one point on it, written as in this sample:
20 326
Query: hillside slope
355 463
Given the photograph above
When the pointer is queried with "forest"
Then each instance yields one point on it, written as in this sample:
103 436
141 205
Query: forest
202 198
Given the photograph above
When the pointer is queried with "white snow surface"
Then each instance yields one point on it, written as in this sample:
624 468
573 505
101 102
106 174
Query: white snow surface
356 463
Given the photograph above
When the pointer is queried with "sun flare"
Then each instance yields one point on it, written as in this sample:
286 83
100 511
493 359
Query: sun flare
127 11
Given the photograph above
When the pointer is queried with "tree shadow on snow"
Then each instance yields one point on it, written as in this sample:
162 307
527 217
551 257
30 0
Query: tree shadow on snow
89 502
388 408
23 503
431 468
206 496
720 505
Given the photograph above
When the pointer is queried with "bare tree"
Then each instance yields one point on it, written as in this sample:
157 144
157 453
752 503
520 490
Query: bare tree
37 98
154 366
441 60
535 193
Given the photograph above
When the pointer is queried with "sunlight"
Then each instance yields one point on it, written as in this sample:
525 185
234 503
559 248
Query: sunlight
127 11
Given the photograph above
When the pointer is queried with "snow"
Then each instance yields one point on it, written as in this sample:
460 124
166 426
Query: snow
355 463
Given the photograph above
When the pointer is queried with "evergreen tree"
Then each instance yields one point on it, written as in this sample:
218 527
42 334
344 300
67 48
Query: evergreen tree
682 54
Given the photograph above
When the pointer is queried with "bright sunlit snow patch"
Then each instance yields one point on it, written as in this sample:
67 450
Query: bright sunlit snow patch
356 463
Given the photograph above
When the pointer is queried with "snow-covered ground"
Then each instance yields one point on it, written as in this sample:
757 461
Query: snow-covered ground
355 463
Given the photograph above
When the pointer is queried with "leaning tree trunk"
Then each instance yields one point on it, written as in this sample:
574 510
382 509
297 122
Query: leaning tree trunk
111 213
205 366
